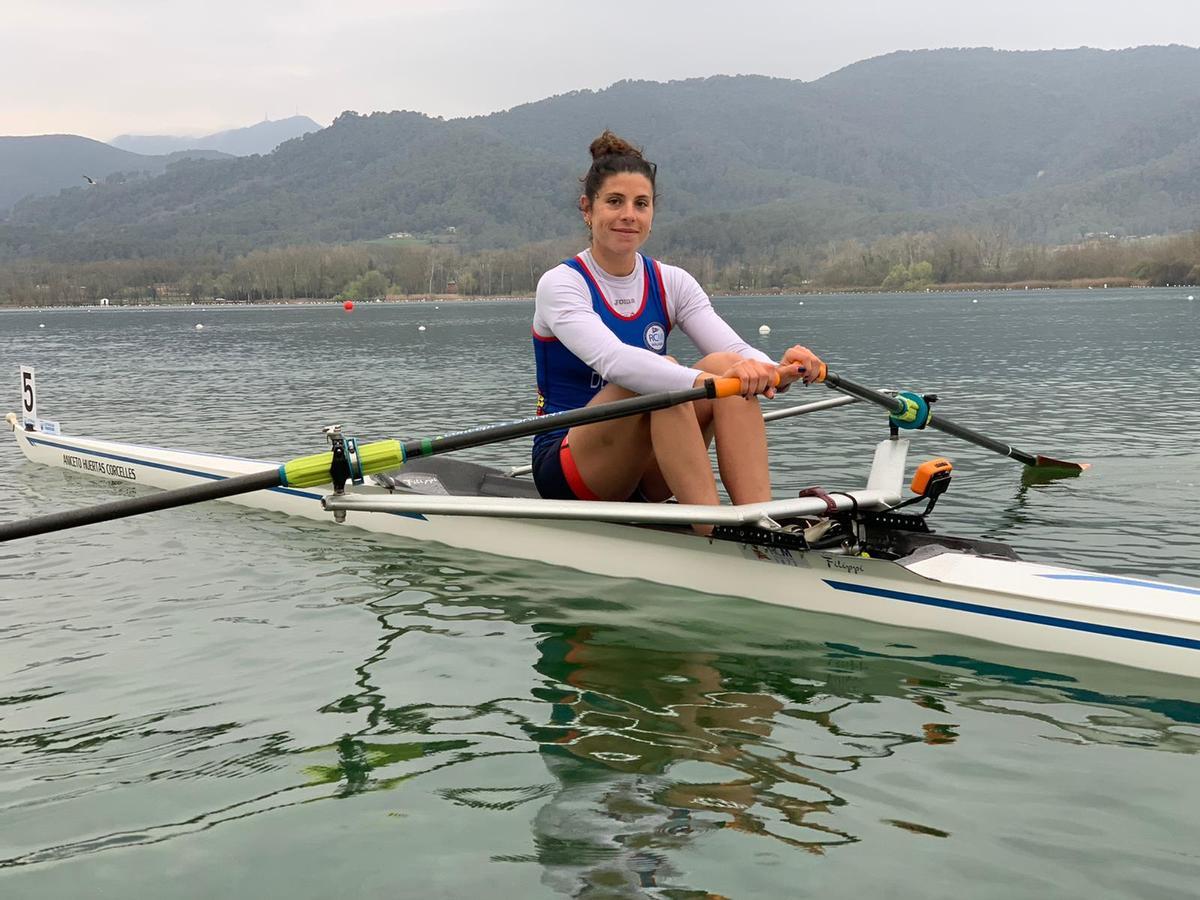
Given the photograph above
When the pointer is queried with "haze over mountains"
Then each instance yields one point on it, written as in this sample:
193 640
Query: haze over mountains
260 138
1046 145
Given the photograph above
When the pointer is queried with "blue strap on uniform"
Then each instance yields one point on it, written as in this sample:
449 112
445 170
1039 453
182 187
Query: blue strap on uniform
916 411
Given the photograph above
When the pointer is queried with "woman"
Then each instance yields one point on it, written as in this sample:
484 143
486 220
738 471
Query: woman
599 333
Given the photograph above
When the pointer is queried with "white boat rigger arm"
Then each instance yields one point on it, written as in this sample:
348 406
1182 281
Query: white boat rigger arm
765 515
883 490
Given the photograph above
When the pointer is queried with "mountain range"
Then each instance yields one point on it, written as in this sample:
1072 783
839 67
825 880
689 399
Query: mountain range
1046 146
37 165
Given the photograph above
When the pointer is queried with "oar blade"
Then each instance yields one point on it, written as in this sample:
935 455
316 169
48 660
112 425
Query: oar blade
1049 462
1047 470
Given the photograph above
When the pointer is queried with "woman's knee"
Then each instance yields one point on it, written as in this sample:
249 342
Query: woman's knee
718 363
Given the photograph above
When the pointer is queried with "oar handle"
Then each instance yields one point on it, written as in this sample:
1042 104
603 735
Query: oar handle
732 387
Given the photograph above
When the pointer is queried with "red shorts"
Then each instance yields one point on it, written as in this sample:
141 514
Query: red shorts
557 477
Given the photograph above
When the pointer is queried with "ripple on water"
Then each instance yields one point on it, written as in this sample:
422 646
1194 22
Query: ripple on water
217 701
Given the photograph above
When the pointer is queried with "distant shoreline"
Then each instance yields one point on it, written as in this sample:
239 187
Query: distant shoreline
1032 284
807 291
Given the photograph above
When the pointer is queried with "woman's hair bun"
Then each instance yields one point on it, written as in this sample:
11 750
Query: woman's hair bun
612 155
609 144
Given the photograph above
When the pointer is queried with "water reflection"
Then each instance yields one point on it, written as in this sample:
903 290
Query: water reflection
663 723
630 721
648 763
606 737
654 746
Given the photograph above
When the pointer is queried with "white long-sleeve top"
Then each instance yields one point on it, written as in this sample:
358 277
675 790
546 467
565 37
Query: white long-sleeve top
563 310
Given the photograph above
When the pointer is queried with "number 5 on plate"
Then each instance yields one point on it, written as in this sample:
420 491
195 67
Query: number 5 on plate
28 396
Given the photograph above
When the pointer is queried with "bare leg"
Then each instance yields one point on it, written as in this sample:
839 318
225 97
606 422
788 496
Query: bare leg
741 438
667 451
613 457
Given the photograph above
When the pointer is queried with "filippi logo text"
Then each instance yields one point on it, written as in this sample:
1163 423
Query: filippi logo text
844 565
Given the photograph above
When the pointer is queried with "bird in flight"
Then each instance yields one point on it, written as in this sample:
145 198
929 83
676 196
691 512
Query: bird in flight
89 179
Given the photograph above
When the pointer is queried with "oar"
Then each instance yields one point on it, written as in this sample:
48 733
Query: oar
908 409
310 471
773 415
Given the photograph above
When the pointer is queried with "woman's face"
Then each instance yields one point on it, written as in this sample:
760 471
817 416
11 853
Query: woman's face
621 214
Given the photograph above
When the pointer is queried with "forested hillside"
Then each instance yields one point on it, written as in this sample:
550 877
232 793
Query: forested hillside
47 163
1040 146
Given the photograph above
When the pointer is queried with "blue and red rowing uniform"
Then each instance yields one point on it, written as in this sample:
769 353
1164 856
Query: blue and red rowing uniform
564 381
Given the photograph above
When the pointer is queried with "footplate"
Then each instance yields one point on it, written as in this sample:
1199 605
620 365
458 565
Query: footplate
760 537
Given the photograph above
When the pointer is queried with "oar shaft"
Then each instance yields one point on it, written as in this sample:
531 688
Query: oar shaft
772 416
477 437
132 506
982 440
892 404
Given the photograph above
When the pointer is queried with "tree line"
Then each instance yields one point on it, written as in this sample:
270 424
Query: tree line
908 261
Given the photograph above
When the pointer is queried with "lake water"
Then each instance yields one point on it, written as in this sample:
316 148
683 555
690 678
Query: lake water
216 702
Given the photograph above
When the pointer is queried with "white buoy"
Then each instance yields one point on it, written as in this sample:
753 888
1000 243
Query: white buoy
764 329
199 327
801 303
43 325
1190 297
974 301
420 328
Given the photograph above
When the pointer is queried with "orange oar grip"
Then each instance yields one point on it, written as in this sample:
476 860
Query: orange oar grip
821 374
727 387
732 387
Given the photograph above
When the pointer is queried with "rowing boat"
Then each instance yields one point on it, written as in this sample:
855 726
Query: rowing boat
851 553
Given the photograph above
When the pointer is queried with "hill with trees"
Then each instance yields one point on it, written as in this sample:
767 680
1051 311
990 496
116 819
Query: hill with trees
1041 147
47 163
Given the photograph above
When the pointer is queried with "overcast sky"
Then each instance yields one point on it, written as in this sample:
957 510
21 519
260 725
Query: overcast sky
197 66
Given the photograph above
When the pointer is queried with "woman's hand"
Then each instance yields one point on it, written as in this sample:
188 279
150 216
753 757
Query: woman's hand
800 363
756 377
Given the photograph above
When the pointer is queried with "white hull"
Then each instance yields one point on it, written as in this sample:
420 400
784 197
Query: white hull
1146 624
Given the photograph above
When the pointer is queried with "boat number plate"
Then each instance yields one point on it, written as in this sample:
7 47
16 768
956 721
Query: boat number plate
28 396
